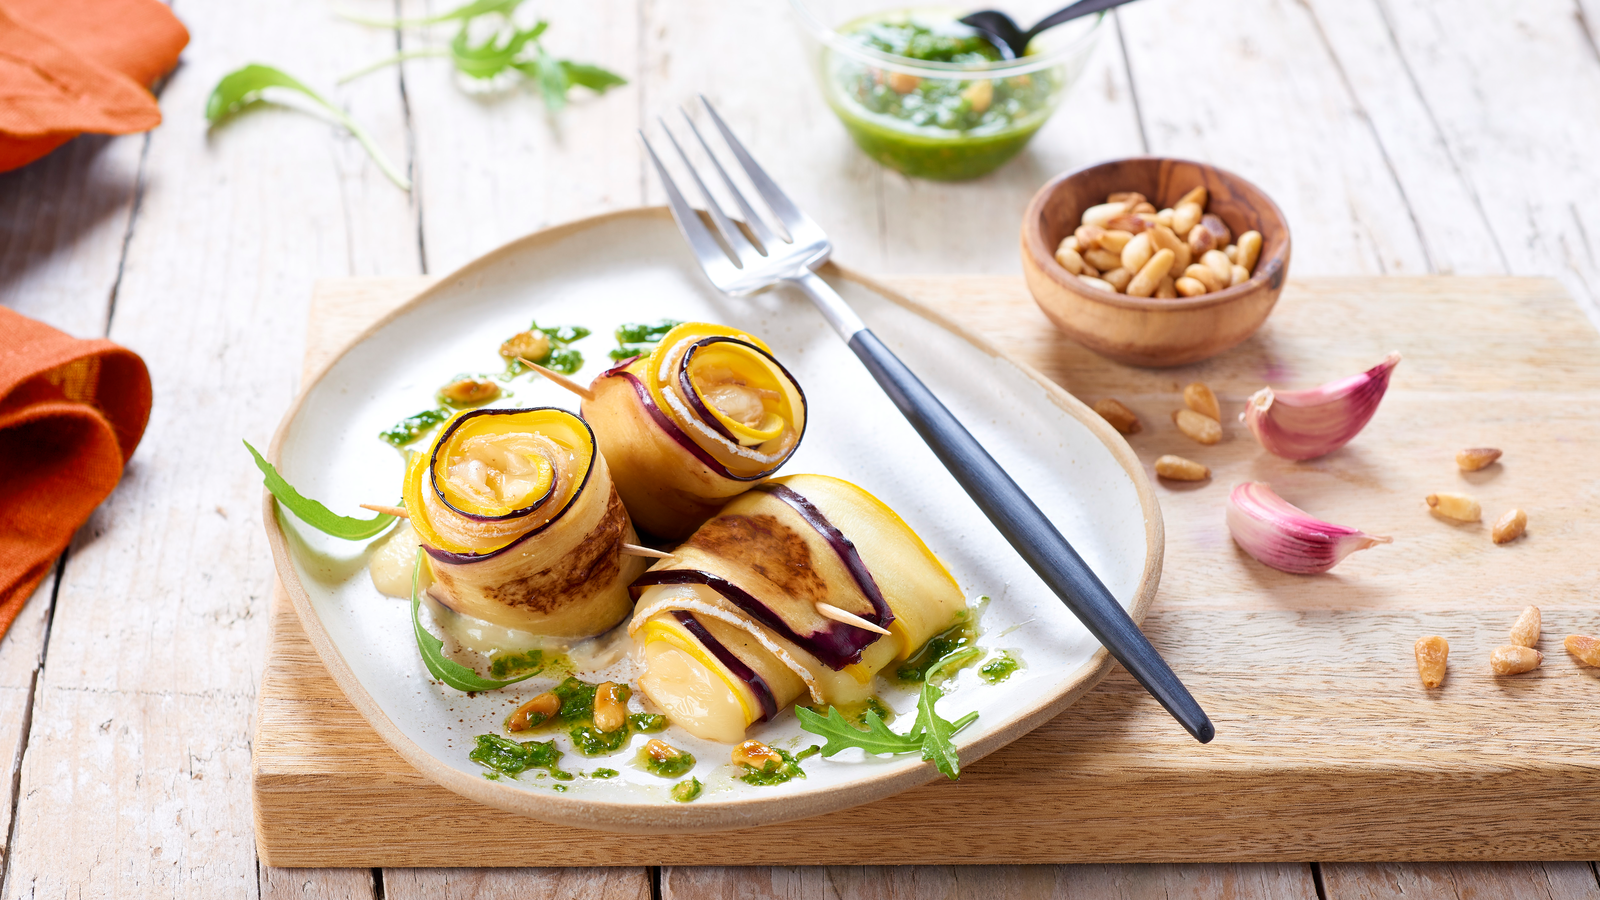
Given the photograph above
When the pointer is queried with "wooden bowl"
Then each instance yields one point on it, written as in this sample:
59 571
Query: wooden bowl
1145 331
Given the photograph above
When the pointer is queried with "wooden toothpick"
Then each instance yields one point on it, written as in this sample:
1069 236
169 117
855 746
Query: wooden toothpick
636 550
398 512
559 379
829 611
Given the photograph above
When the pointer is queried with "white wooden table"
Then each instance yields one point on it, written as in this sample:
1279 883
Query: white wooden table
1400 136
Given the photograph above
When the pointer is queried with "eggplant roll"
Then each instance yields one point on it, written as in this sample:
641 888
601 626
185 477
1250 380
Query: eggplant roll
728 629
522 524
701 419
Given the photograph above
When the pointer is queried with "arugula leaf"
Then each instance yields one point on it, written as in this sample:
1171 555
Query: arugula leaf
592 77
315 514
936 733
247 86
439 666
841 735
490 58
464 13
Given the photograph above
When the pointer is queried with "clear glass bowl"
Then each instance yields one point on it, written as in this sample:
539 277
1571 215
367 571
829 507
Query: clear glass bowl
946 121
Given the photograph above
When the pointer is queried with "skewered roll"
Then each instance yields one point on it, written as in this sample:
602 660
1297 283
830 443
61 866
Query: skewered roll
728 629
706 415
522 523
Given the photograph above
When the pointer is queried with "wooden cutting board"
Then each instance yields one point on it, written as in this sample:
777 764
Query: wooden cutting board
1327 746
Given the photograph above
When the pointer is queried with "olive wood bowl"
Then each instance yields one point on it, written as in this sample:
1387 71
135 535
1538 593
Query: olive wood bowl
1145 331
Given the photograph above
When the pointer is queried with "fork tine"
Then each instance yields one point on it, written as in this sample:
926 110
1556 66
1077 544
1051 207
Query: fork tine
733 240
705 245
790 215
757 224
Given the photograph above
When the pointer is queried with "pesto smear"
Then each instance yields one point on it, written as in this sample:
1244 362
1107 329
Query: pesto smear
940 128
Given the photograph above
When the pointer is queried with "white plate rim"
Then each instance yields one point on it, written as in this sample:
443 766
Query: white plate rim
740 812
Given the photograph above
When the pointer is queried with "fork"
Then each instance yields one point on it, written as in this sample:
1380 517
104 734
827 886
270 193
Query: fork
740 262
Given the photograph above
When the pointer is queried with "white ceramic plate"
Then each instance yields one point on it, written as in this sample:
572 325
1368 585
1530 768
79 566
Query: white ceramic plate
633 266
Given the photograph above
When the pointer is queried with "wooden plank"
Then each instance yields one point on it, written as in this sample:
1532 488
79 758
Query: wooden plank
517 884
1255 91
1460 881
1483 95
135 777
1314 693
63 220
21 655
1083 882
318 884
493 165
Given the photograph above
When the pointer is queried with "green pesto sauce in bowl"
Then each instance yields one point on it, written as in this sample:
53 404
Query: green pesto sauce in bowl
939 128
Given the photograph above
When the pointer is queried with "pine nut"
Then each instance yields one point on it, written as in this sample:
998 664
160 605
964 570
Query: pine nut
1510 527
1144 207
1163 238
1151 274
1069 259
534 712
1249 250
1115 240
1239 275
1102 260
1120 417
610 707
1585 647
1525 633
1164 218
1099 215
1197 196
1196 427
1205 276
756 755
1433 652
1474 458
1185 216
1179 469
1232 252
1220 235
1137 252
1097 282
1514 660
1126 197
1201 240
1167 289
1117 278
1458 507
1188 287
1217 262
979 95
903 82
1200 398
1133 223
1088 237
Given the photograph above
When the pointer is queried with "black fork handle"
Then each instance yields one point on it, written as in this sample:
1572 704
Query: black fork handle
1030 532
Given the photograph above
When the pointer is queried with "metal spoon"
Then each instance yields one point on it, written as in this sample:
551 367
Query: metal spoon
1012 41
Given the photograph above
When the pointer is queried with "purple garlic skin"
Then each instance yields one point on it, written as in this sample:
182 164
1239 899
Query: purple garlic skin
1286 537
1308 424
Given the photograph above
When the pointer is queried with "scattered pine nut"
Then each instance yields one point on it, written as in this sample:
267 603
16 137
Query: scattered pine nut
1457 507
1514 660
1196 427
1526 632
1199 397
756 755
1432 652
1510 526
1585 647
1475 458
1179 469
1120 417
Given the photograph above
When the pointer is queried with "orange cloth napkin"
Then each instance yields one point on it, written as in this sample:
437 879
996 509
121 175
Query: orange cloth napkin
71 412
70 66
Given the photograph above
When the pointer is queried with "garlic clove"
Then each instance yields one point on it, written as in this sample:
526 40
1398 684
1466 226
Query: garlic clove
1310 423
1287 538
